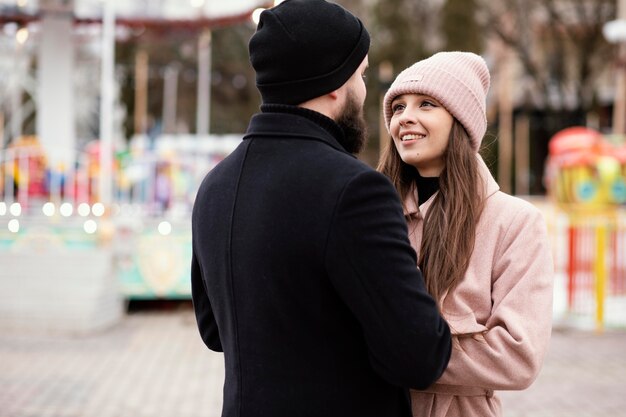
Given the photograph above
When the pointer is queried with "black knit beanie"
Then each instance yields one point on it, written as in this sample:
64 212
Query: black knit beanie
304 49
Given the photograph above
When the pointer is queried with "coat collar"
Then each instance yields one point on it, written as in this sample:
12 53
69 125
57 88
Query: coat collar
490 187
296 125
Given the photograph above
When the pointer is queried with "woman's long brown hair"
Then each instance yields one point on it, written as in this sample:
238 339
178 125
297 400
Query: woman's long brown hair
450 224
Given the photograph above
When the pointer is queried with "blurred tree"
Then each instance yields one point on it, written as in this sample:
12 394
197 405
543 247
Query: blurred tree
561 56
559 44
235 97
460 27
170 48
401 30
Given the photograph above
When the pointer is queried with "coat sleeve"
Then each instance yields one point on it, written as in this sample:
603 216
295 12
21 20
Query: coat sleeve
202 307
372 266
509 354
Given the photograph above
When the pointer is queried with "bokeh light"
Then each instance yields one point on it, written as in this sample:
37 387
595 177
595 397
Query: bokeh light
97 209
90 226
48 209
83 209
256 15
165 228
15 209
66 209
14 226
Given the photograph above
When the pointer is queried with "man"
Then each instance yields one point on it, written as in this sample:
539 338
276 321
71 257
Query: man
302 271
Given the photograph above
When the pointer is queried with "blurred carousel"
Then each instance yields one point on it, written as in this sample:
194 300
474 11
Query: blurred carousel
586 180
88 223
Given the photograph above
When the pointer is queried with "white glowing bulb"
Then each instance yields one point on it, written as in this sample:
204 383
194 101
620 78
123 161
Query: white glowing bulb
21 36
90 226
97 209
165 228
3 208
66 209
83 209
256 15
48 209
15 209
615 31
14 226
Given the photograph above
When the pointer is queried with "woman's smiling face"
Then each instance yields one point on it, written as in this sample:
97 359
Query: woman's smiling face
420 127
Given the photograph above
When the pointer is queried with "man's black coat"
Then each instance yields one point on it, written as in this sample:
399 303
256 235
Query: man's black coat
303 275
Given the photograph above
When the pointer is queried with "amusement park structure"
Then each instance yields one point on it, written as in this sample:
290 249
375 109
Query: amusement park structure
87 224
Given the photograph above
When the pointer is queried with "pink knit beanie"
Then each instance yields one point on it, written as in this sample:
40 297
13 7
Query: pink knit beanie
458 80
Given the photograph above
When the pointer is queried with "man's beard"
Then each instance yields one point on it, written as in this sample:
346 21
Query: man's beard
353 124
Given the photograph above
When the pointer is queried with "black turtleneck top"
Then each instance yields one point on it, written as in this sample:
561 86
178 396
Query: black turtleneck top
426 187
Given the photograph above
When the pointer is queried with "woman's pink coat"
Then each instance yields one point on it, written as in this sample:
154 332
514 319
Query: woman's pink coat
500 313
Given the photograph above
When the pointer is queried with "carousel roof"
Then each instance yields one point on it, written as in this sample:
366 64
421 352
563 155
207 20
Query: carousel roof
140 13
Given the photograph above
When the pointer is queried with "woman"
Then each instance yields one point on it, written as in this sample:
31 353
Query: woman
485 255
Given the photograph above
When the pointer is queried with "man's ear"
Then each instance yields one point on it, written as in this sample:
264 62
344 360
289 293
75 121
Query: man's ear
331 103
334 94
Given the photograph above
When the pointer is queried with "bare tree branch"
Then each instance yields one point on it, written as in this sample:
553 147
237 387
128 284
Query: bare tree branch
570 38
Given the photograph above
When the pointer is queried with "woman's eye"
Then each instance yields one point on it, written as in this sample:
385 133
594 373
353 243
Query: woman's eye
427 103
397 107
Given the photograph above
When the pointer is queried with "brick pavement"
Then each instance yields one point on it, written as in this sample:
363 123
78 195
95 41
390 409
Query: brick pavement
584 375
154 364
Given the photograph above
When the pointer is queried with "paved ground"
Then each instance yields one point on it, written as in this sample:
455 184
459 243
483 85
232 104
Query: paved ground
154 364
584 375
